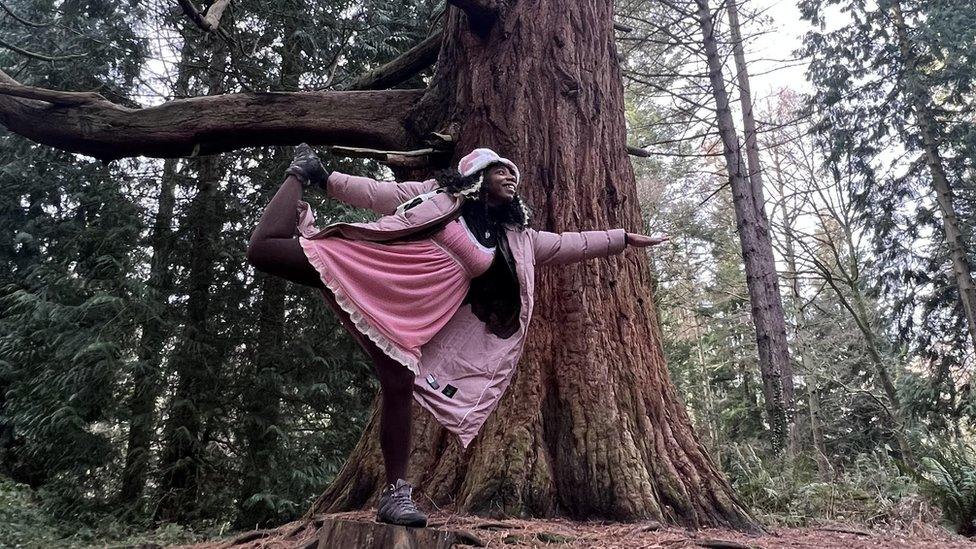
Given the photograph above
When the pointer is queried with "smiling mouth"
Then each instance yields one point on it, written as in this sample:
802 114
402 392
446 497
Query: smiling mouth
509 186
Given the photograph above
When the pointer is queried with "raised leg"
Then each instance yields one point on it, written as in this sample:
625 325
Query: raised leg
273 248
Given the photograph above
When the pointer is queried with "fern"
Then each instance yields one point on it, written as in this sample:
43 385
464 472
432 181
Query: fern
948 477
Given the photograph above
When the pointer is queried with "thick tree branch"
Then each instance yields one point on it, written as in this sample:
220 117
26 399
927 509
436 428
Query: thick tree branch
403 67
88 124
481 13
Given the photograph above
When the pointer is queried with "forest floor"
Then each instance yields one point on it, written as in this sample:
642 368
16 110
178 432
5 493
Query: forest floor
564 533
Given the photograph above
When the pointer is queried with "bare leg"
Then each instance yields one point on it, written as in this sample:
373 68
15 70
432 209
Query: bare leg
273 248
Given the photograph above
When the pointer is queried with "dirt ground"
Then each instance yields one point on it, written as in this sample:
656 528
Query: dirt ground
560 533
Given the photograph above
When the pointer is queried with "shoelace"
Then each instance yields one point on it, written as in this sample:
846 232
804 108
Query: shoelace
402 496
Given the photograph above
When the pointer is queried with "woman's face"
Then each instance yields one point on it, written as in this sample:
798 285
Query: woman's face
499 185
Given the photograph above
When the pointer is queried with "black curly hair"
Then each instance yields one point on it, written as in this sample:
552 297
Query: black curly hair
514 213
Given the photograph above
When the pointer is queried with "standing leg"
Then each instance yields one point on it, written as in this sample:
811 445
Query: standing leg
396 504
396 405
395 416
274 249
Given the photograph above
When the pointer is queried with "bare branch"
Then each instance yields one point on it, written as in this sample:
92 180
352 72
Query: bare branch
88 124
644 153
23 21
214 12
51 96
39 56
209 22
403 67
395 159
191 11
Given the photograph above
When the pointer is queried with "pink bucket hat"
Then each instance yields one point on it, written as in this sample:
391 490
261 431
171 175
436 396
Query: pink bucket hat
479 159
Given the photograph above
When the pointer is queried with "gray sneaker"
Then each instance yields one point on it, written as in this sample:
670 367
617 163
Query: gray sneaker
307 167
397 507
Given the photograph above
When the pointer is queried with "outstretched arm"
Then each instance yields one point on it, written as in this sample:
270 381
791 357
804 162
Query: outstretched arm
569 247
382 197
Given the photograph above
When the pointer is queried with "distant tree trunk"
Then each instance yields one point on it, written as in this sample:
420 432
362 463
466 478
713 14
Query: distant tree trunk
145 376
591 425
708 400
920 99
837 236
146 379
799 307
261 400
757 250
261 407
195 361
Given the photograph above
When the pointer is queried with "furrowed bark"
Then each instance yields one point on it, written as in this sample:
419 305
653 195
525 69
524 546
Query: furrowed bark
591 425
211 124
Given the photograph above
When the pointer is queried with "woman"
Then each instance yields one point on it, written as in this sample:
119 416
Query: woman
438 291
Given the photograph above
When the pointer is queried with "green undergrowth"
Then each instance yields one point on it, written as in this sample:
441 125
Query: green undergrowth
873 490
25 523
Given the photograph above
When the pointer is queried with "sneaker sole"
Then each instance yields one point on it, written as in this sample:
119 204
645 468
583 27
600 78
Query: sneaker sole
415 524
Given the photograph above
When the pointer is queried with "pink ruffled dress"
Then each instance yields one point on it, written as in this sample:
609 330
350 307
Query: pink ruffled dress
400 294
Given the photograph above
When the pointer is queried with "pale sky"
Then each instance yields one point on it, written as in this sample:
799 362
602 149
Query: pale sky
769 54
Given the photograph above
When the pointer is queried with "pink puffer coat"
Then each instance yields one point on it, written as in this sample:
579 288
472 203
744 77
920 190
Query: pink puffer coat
465 369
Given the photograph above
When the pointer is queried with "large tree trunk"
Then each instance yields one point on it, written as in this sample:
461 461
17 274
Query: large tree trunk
591 425
752 225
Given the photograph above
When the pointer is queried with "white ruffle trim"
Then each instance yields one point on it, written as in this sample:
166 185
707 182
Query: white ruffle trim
388 347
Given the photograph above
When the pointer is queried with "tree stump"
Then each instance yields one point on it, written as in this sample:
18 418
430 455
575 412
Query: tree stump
336 533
